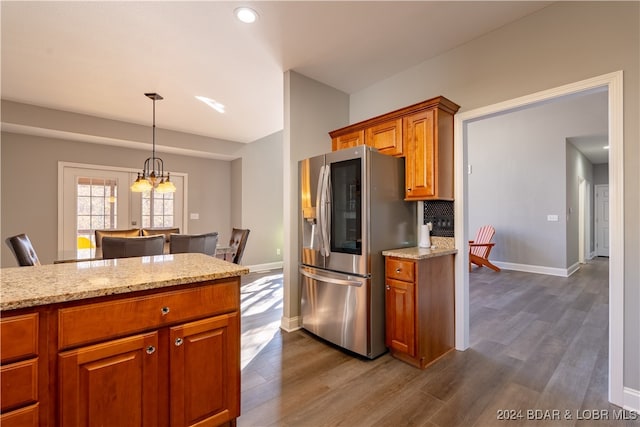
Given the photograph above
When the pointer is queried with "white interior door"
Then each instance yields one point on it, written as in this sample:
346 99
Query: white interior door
602 220
92 197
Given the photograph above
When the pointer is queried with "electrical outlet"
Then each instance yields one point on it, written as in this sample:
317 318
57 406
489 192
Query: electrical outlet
277 251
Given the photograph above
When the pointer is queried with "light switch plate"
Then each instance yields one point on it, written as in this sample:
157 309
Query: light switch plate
553 218
194 216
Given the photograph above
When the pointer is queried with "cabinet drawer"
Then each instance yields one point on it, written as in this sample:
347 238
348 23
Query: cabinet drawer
400 269
19 384
104 320
21 417
19 336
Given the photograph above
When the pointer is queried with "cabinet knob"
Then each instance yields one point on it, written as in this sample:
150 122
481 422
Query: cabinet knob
165 310
178 342
388 287
151 349
398 270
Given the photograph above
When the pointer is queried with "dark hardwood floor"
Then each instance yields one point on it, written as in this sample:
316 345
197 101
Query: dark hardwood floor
538 356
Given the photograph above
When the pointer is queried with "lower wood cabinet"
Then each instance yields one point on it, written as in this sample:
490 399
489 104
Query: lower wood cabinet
153 359
23 365
419 308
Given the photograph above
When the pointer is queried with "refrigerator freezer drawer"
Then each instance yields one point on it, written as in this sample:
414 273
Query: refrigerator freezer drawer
335 307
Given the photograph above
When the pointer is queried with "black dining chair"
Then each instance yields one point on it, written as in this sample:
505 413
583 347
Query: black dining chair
193 243
238 242
127 247
23 250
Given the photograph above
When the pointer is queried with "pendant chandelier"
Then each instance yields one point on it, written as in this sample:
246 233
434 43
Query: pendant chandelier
152 175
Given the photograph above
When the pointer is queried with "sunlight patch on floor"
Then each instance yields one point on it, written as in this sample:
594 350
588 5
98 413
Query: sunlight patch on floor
261 308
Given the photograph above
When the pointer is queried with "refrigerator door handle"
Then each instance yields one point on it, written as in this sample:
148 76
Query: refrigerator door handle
330 279
319 208
326 212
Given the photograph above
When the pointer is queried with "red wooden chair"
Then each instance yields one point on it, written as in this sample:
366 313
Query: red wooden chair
480 248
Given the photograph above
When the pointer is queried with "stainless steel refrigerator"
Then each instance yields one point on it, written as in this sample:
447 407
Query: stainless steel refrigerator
352 208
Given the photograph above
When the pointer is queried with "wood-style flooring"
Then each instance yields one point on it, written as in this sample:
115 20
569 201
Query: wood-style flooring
538 356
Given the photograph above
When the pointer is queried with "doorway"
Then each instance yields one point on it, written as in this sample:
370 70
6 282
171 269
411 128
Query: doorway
613 82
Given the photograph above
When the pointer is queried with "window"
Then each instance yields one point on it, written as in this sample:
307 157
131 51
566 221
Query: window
157 209
97 207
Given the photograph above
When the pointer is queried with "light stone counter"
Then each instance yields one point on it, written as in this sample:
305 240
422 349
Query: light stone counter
441 246
417 253
23 287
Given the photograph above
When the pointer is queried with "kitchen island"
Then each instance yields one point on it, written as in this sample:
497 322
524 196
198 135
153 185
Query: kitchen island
419 302
151 341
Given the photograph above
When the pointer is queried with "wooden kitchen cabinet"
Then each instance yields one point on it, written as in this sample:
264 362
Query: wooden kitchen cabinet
23 363
113 383
204 364
161 357
419 308
386 137
170 374
423 134
348 140
429 155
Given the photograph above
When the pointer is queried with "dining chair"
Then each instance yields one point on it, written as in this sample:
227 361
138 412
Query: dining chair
166 231
100 234
127 247
238 242
194 243
23 250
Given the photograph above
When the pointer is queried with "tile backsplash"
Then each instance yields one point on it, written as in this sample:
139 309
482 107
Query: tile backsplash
440 214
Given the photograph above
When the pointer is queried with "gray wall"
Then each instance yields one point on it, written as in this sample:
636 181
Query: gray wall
312 109
563 43
232 192
519 176
260 207
31 207
601 174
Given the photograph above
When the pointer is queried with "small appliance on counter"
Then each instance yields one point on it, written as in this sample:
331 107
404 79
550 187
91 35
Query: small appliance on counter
425 235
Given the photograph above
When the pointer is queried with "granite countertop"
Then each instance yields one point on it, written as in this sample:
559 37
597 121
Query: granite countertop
23 287
419 253
441 246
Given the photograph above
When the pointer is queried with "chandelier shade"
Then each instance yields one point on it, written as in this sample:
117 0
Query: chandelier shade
152 176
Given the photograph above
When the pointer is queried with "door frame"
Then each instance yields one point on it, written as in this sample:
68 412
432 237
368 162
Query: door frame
614 84
132 176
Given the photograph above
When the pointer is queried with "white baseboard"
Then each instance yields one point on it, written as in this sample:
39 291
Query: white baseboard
267 266
290 324
528 268
632 400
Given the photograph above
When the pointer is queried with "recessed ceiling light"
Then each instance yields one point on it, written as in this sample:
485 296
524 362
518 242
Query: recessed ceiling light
246 15
212 103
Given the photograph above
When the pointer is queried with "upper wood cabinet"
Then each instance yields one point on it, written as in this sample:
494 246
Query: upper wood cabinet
423 134
386 137
348 140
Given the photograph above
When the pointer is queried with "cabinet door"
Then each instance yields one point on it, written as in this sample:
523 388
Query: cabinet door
348 140
386 137
400 316
110 384
204 364
420 155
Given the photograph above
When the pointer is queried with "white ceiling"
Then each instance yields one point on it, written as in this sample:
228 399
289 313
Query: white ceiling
99 58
